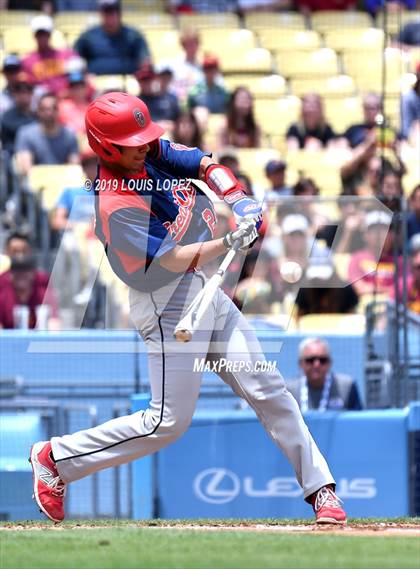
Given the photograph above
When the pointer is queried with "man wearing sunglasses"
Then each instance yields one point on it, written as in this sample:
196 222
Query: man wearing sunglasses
318 388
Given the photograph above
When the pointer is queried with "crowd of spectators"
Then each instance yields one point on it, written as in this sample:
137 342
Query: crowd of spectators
44 99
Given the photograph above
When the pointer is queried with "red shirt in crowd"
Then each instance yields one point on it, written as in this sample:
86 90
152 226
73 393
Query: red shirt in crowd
318 5
8 299
49 69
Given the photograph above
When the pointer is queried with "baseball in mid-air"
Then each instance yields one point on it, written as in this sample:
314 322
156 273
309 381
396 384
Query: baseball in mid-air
291 271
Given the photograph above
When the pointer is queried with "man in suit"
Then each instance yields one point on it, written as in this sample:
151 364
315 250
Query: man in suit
319 388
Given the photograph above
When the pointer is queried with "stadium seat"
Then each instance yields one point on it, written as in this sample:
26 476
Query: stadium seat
257 60
49 181
16 18
320 165
20 40
358 39
341 113
320 63
146 5
286 40
336 86
275 116
164 44
284 20
210 20
146 20
223 42
366 68
75 22
395 21
253 161
332 323
116 83
269 86
335 19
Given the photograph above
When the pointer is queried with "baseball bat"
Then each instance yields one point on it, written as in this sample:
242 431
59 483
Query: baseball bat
185 328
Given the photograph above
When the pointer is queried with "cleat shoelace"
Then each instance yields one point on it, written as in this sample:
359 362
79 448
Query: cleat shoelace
327 498
58 488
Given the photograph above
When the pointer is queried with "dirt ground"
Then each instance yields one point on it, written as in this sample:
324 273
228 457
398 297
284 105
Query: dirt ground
378 528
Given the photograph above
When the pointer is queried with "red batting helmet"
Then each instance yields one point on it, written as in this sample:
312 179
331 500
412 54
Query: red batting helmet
118 118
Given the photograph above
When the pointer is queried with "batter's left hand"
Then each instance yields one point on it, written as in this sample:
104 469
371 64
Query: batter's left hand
246 209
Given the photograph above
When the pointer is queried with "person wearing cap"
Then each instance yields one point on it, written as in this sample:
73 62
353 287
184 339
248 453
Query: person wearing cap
20 114
162 104
157 228
371 269
112 48
209 94
275 170
45 141
72 108
11 67
322 291
47 66
319 388
24 285
187 70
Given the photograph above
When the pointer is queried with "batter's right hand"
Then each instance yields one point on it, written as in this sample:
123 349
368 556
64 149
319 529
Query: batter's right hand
246 233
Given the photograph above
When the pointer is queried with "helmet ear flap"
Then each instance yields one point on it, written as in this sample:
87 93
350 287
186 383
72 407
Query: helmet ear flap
104 149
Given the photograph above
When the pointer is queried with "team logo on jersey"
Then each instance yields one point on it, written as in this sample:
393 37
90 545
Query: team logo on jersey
140 118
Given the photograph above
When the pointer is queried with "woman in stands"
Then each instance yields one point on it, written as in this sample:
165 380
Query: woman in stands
312 132
241 129
187 131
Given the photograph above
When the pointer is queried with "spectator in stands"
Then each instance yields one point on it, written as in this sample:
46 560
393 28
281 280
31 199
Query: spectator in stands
20 114
210 93
374 6
349 238
275 170
409 35
413 277
312 132
322 291
413 218
47 66
318 388
410 107
163 105
193 6
356 134
307 204
72 108
76 5
240 129
245 6
24 285
308 6
45 141
11 67
371 270
230 161
112 47
187 131
391 190
76 205
187 70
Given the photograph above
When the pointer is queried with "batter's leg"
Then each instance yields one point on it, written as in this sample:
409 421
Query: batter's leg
277 410
174 385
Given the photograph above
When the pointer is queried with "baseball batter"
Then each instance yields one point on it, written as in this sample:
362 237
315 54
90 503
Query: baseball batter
157 230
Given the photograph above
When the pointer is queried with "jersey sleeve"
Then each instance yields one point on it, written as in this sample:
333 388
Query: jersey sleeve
182 161
137 233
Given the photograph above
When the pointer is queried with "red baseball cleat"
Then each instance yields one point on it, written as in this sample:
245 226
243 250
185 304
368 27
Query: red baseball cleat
328 507
49 489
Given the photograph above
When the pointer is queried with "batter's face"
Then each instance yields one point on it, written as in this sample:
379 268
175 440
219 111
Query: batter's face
315 363
133 157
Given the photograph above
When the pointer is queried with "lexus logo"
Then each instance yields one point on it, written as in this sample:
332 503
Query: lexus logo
217 486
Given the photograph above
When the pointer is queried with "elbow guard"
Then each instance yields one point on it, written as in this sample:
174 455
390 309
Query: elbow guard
222 181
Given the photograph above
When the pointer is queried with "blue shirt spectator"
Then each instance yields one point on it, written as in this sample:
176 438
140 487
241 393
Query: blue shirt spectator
373 6
209 93
410 34
112 47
